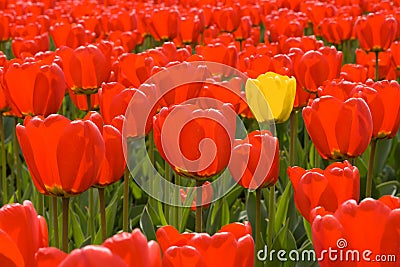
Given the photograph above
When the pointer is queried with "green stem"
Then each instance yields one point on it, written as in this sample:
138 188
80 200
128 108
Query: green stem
316 158
40 205
368 187
293 134
3 162
168 177
103 222
271 216
89 102
199 208
125 209
151 147
92 216
55 221
376 66
17 163
65 208
258 219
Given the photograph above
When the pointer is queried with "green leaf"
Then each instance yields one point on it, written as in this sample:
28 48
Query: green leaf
251 210
307 227
147 226
77 233
225 217
283 206
383 148
388 188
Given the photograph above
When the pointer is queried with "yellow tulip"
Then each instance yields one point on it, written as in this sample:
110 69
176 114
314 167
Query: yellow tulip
271 93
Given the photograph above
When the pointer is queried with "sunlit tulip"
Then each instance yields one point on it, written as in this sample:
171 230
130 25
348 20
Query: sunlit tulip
327 188
335 30
71 35
133 69
26 47
278 91
134 249
85 68
218 53
163 23
113 166
63 156
386 65
339 129
181 132
189 29
315 67
376 31
226 18
385 108
92 256
354 73
200 249
49 256
255 160
39 92
22 233
372 226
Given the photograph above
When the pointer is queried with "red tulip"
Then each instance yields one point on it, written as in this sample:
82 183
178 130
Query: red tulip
227 19
312 70
372 225
163 23
22 233
49 257
385 108
386 66
218 53
206 196
134 249
200 249
71 35
335 30
128 40
4 99
26 47
244 29
305 43
338 129
189 29
339 88
327 188
285 25
121 21
113 166
354 73
92 256
255 160
41 90
133 69
5 20
80 101
334 58
179 132
317 11
376 31
85 68
63 156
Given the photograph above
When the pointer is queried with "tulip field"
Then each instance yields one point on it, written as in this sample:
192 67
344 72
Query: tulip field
199 133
